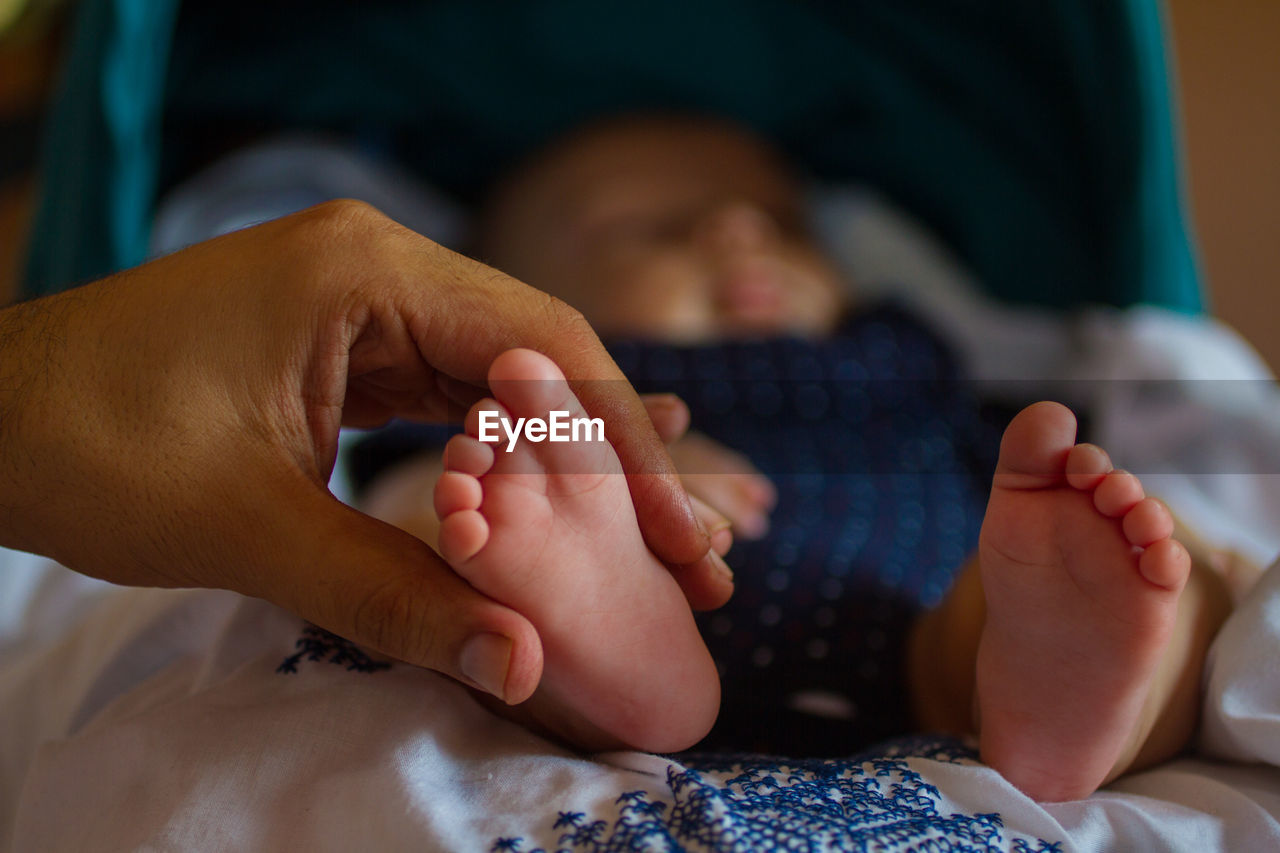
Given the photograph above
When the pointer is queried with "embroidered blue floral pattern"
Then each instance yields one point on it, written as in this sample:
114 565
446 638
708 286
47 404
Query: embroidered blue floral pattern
872 802
317 644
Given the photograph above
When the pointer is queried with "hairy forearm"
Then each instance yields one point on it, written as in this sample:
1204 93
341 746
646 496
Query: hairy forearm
78 437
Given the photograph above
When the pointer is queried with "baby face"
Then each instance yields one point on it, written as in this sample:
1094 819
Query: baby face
673 230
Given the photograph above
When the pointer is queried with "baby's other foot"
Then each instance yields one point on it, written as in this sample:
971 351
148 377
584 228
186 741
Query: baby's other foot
1082 583
548 529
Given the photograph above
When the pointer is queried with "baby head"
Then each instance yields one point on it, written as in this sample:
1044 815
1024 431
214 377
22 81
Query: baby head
675 229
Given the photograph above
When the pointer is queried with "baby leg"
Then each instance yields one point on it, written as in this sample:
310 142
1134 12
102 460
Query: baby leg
1069 636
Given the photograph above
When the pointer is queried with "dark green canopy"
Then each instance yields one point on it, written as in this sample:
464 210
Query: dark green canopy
1036 138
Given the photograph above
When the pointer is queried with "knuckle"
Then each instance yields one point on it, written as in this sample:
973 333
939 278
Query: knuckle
396 618
342 216
339 243
565 317
341 224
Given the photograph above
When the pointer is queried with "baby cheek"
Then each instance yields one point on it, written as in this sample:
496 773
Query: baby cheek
818 297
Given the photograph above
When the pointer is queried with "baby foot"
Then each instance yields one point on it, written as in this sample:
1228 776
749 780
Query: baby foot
1082 583
548 529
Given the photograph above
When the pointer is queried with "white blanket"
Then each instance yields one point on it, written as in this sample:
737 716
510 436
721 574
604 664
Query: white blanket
199 720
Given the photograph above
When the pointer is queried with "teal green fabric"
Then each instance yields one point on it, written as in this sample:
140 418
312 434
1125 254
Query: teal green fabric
102 145
1036 138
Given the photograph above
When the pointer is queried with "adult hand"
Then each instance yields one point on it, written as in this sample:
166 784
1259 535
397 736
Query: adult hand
176 425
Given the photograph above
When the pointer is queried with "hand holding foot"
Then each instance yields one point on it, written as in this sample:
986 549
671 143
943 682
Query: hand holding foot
1082 584
549 530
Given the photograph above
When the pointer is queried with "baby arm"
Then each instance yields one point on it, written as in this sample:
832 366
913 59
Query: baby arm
726 481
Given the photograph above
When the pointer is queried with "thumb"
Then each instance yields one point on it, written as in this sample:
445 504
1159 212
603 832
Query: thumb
386 590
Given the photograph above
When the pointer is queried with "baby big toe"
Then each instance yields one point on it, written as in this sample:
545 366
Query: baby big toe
530 384
1034 447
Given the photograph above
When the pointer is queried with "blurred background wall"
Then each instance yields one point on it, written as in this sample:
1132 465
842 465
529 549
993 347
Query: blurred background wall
1228 67
26 72
1228 64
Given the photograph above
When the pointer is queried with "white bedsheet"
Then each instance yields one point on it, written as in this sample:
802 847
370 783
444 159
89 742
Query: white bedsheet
184 720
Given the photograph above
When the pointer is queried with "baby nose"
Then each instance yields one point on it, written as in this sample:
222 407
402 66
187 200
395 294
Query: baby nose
736 228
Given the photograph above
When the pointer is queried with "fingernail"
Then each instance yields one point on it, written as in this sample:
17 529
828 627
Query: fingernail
720 524
721 540
721 566
665 402
702 527
485 659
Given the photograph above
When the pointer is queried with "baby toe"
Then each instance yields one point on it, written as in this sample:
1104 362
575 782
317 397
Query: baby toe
1118 493
1087 464
1148 522
468 455
483 420
462 535
455 492
1166 564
